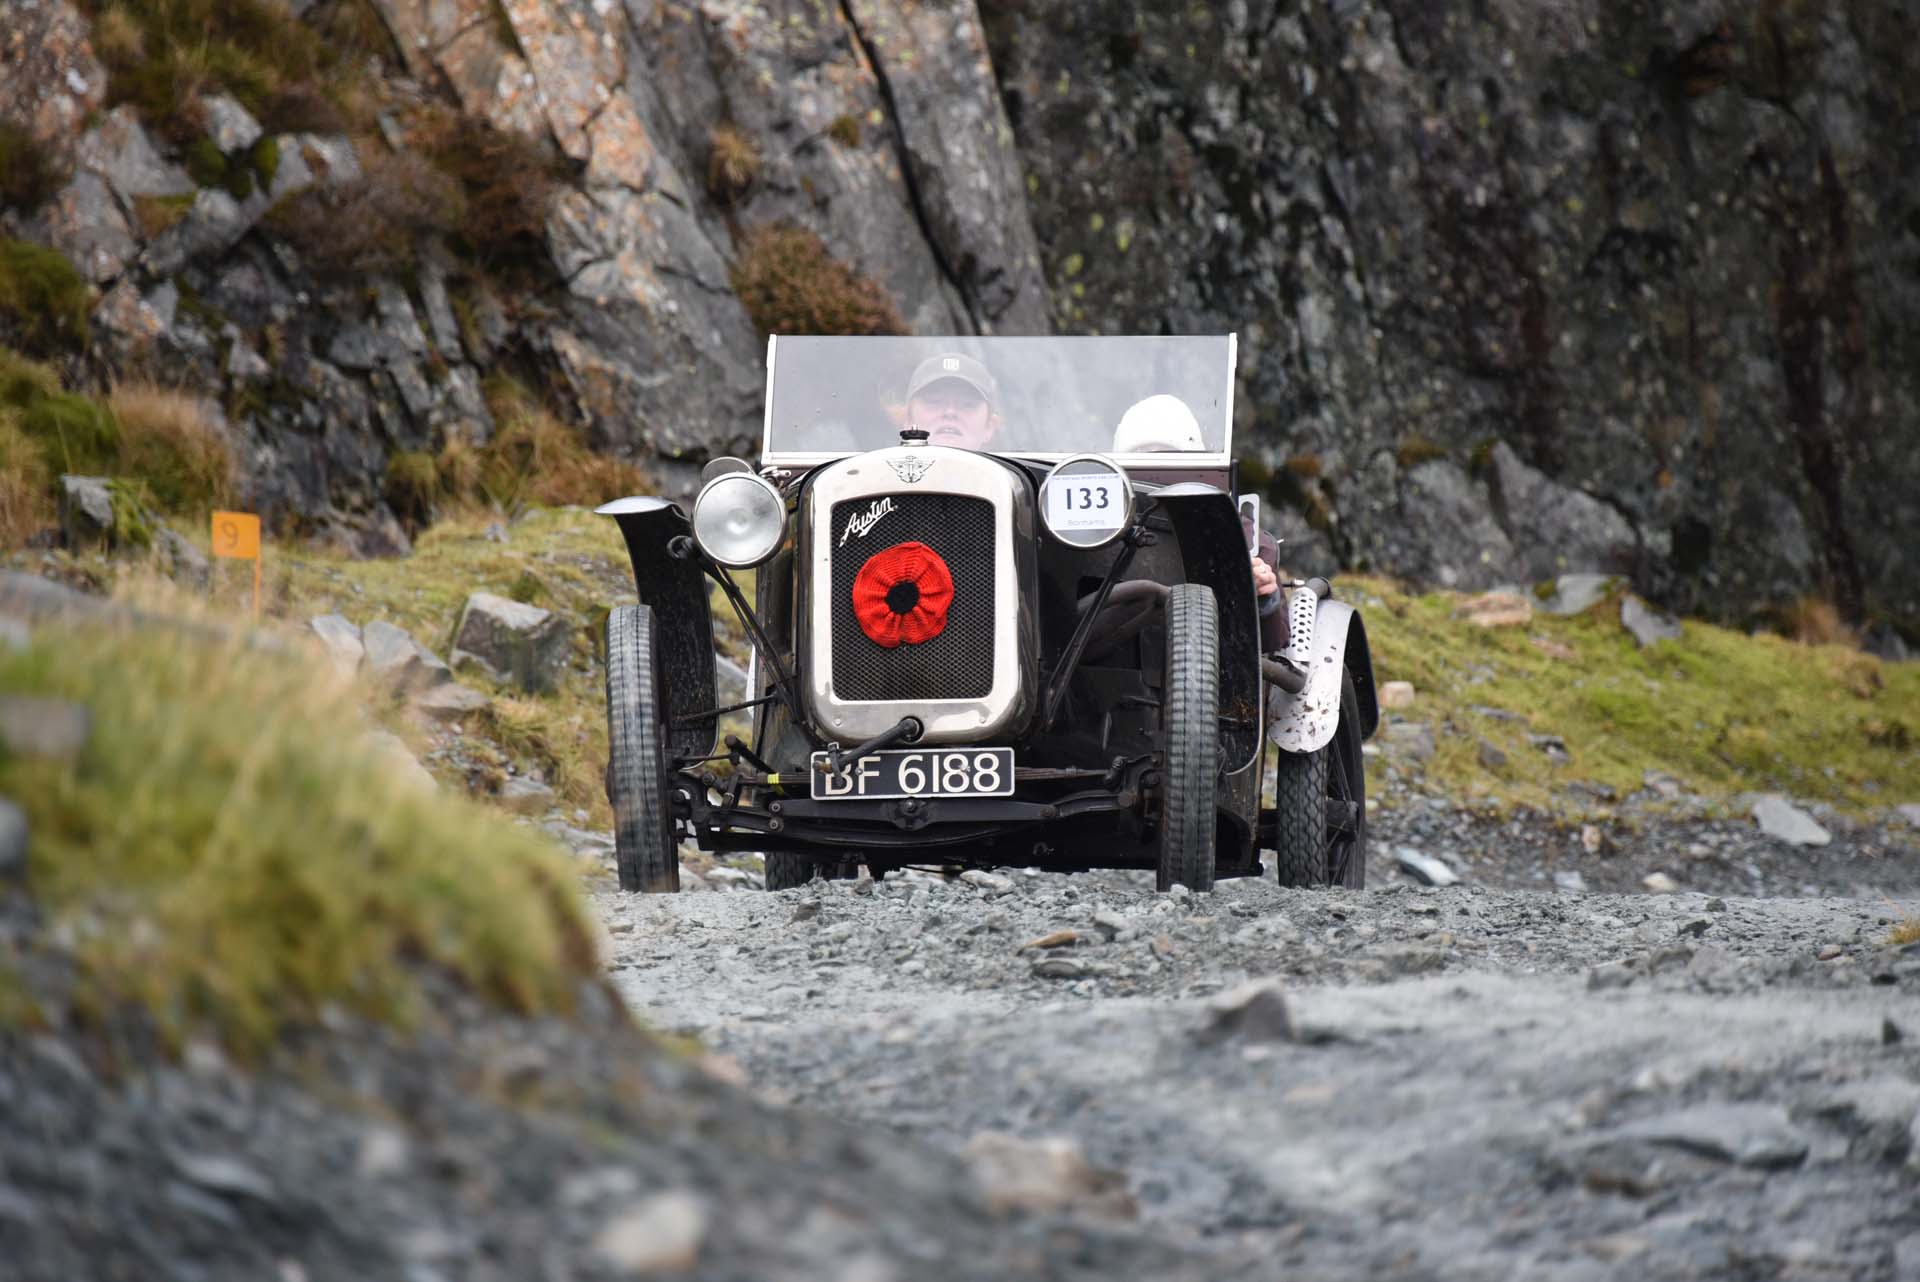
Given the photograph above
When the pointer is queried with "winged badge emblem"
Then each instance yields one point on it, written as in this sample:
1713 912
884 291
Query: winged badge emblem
910 470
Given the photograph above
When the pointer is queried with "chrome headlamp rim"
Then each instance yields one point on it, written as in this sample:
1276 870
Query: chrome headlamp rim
1096 540
778 533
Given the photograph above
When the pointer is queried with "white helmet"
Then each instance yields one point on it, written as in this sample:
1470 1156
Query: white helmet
1158 423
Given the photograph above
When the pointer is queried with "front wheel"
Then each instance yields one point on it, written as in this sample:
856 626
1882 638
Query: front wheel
639 786
1320 807
1190 739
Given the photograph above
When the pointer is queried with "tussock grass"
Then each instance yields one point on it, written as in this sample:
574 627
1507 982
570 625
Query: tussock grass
733 163
790 284
43 297
173 444
535 459
1905 931
1723 711
227 853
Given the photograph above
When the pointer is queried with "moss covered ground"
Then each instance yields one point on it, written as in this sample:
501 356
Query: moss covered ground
1722 711
228 853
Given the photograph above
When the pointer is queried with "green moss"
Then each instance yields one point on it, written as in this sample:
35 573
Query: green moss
265 158
29 173
1725 712
42 293
229 854
239 180
206 164
845 130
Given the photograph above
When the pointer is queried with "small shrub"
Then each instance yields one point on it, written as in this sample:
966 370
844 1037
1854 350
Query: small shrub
170 441
373 224
845 130
29 174
162 55
1415 450
507 179
1815 620
41 291
790 284
306 108
732 164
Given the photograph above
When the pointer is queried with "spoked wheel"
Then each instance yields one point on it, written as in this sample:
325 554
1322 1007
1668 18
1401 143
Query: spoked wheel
1320 821
639 780
1190 733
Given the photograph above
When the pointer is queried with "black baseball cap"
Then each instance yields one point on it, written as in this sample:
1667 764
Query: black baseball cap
936 369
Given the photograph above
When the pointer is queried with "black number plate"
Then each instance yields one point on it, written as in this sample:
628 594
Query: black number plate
917 772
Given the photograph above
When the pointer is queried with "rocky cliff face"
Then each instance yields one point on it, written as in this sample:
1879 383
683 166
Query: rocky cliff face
1628 284
1519 290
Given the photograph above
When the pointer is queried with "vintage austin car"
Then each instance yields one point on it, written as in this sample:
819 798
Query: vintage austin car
1031 640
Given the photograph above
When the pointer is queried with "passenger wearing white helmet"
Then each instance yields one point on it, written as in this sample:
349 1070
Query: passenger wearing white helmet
1162 423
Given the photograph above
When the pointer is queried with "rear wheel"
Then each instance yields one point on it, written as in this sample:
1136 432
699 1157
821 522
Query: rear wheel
1320 803
785 870
1190 733
639 781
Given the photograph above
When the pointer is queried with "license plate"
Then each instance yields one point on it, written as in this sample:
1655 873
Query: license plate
916 772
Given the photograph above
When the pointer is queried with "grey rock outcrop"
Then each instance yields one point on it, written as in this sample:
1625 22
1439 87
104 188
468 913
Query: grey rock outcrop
395 658
512 642
1648 249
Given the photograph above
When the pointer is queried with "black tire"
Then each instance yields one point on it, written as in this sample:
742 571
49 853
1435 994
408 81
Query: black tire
1320 804
639 780
785 870
1190 732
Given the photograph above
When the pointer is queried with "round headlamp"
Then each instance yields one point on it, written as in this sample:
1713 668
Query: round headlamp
739 519
1086 501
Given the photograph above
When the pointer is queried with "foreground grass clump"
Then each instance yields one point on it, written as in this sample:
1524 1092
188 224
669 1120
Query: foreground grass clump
1722 711
790 284
173 444
228 852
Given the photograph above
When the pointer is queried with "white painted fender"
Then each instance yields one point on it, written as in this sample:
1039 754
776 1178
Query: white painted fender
1306 721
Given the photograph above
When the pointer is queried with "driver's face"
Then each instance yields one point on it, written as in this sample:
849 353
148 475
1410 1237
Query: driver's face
953 413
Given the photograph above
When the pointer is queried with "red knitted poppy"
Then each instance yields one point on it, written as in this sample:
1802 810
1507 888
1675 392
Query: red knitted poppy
902 594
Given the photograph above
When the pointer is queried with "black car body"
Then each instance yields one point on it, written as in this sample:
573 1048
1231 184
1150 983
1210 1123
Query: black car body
1068 696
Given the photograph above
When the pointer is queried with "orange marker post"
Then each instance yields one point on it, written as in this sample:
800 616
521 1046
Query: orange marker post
237 535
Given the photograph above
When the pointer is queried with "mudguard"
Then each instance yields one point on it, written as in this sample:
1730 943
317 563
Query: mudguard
1213 546
677 591
1306 721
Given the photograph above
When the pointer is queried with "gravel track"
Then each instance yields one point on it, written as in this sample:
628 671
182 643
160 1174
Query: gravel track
1478 1082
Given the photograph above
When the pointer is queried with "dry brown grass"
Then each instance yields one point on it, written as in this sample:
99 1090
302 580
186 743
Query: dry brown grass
176 444
790 284
26 499
1905 931
733 163
534 458
1815 620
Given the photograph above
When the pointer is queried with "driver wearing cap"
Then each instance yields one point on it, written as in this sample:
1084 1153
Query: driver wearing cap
955 401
